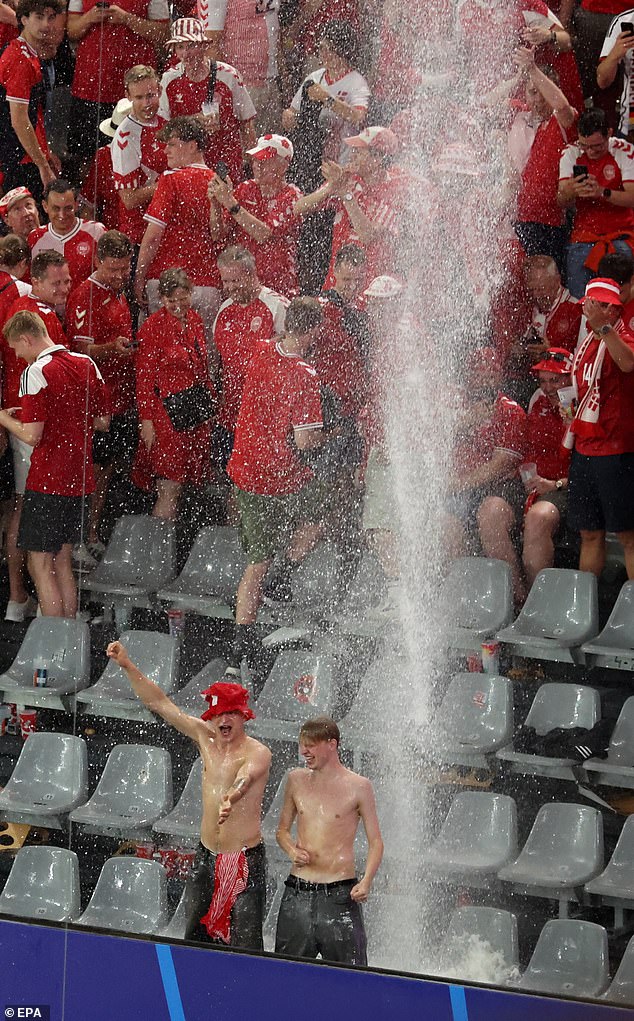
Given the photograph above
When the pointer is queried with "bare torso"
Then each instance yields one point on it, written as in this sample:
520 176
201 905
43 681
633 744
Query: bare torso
220 767
327 820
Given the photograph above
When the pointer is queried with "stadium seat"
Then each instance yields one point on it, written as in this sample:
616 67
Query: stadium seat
560 614
375 697
317 584
366 590
615 885
140 559
474 720
621 989
63 645
184 820
570 959
477 597
209 580
134 790
190 698
478 837
555 705
130 896
156 655
43 884
563 852
274 853
180 920
618 768
301 684
48 781
470 927
614 646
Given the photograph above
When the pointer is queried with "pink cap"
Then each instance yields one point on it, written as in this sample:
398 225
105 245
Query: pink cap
375 138
268 146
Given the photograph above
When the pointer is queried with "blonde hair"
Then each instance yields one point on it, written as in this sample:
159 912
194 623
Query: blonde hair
139 73
24 322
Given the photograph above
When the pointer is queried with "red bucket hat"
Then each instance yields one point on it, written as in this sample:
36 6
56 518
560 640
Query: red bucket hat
227 698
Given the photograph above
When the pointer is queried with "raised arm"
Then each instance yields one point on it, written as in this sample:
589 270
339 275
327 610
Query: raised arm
298 855
255 768
370 820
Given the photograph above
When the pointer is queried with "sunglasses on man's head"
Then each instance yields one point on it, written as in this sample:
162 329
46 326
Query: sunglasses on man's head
556 357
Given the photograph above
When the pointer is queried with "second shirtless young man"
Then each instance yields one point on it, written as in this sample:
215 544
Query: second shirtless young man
228 877
320 911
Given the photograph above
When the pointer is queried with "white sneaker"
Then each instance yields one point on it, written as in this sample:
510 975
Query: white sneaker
83 557
18 612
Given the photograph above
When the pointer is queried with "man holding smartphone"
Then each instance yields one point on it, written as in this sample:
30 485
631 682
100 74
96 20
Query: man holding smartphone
616 52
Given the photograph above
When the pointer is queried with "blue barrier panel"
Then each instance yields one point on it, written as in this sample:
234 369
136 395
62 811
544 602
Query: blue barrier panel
85 976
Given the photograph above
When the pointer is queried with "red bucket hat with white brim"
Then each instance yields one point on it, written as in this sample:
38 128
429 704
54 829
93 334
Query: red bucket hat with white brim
605 290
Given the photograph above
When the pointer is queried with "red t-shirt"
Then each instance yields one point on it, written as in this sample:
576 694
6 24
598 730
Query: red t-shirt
339 361
611 406
616 167
98 315
559 327
137 160
12 366
180 205
504 430
10 290
65 391
281 394
545 429
238 331
170 359
98 188
275 258
537 199
606 6
77 247
21 80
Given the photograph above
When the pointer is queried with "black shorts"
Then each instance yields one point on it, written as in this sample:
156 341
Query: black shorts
247 913
118 445
321 918
601 493
48 522
465 505
7 483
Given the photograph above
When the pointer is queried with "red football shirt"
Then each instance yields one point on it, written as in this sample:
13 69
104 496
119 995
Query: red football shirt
281 394
275 258
12 366
21 79
77 247
238 329
339 361
137 160
504 430
559 327
611 406
10 290
65 391
537 199
99 315
180 205
545 429
616 167
98 189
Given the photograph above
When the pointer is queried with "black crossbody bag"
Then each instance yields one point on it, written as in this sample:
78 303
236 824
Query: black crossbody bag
191 407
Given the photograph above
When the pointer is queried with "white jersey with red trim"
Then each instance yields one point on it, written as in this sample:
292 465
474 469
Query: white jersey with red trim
77 247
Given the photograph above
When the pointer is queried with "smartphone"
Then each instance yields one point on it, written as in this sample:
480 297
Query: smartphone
579 170
222 170
627 26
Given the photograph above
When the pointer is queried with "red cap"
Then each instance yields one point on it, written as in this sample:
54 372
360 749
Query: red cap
556 359
604 289
227 698
13 196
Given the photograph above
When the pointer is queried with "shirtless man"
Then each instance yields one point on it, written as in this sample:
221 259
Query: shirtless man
228 877
320 912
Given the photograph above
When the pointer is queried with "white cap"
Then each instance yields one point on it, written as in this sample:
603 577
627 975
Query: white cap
383 287
268 146
119 114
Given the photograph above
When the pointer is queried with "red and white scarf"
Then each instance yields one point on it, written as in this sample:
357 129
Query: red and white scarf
231 872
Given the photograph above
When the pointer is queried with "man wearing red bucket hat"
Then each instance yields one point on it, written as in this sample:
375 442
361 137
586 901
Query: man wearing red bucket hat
601 478
228 877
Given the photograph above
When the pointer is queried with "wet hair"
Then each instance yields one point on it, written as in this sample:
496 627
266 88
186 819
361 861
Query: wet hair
171 279
237 254
591 121
352 255
43 261
616 266
24 322
139 73
342 38
302 315
539 261
114 245
322 728
26 7
60 187
188 129
13 250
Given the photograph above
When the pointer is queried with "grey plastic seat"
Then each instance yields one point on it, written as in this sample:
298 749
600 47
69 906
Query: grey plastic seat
477 598
478 837
563 852
618 768
179 923
301 684
614 646
130 896
615 885
621 989
139 560
43 884
190 698
184 820
156 655
134 790
469 927
209 580
366 589
555 705
317 584
570 959
374 697
64 646
48 781
474 719
560 614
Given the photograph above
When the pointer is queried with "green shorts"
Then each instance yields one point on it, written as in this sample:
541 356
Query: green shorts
268 522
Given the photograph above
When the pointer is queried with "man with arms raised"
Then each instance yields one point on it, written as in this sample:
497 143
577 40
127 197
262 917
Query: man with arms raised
320 912
228 875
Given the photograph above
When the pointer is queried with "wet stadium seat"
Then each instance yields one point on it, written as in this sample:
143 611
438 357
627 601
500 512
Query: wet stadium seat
190 698
618 768
43 884
209 580
560 614
179 922
130 896
301 684
140 559
621 989
476 925
134 790
184 819
570 959
156 655
63 645
614 646
563 851
477 596
615 885
48 781
474 720
478 837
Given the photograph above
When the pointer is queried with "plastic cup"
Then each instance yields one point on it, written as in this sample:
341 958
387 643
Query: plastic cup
567 397
176 621
28 722
528 472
